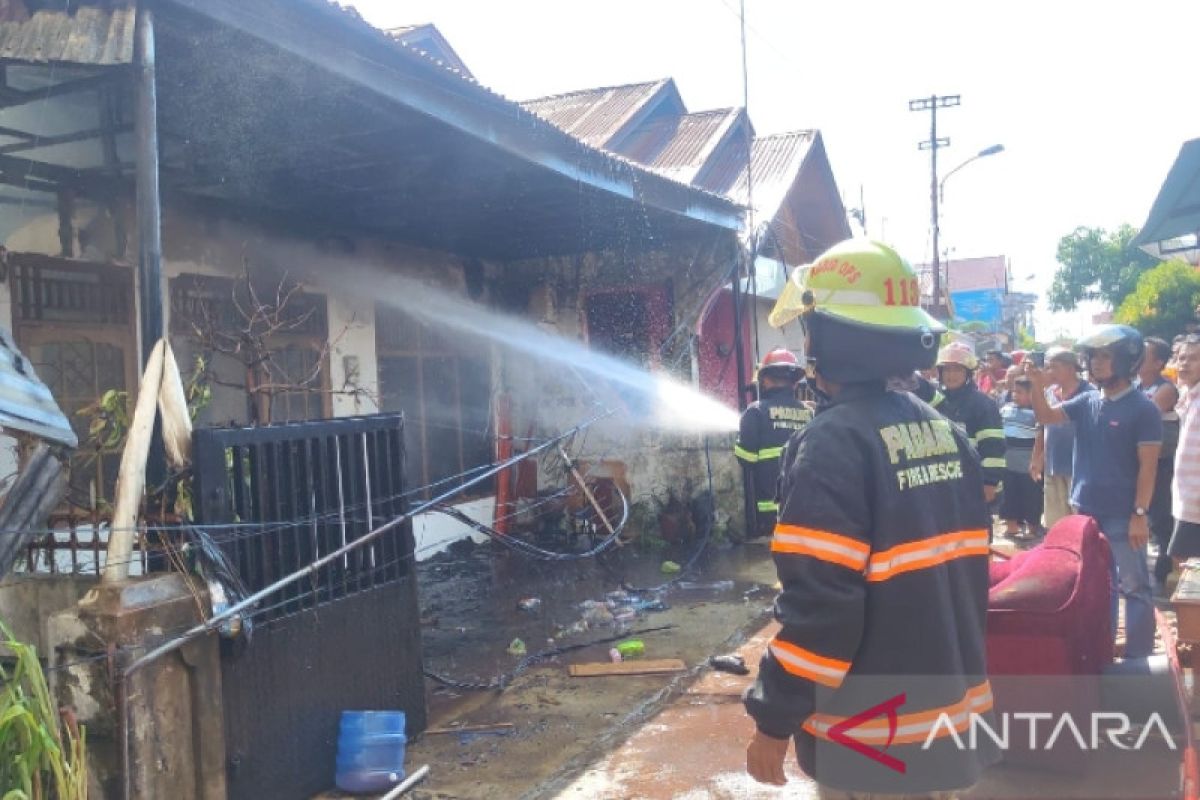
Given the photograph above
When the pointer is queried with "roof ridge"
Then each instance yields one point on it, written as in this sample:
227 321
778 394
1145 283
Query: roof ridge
352 14
407 28
781 134
595 89
724 112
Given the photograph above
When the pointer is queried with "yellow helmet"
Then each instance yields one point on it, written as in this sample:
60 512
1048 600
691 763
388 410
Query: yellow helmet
860 281
860 304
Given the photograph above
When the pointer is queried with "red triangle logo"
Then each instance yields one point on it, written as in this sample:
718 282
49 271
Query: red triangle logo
838 733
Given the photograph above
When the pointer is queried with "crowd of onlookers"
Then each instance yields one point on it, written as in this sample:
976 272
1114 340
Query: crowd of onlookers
1040 458
1109 429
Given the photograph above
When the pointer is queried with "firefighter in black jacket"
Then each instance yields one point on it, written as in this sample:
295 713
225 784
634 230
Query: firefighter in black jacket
766 427
879 667
974 411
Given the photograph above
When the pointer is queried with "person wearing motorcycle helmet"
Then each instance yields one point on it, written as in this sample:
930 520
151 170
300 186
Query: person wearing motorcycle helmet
1118 437
765 428
881 521
977 414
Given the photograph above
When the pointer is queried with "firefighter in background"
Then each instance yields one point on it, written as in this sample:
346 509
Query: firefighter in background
882 554
976 413
766 427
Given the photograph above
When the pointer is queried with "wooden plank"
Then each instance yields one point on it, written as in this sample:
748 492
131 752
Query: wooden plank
495 727
648 667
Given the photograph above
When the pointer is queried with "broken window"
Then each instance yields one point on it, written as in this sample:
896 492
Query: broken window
75 323
445 393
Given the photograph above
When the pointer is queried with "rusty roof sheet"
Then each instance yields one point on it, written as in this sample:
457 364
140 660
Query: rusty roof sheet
679 147
595 116
87 36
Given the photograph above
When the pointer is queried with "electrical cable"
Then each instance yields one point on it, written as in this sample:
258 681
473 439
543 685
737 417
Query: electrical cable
705 538
533 551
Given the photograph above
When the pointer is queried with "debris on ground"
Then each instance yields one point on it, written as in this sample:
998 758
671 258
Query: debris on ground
530 604
670 568
631 648
517 648
615 656
619 609
661 666
714 586
733 664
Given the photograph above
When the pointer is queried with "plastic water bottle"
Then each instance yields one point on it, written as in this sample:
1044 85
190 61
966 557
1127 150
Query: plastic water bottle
370 754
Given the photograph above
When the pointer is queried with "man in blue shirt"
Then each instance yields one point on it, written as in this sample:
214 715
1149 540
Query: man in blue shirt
1118 435
1054 450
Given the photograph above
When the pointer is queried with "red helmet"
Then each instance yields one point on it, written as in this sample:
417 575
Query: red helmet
781 360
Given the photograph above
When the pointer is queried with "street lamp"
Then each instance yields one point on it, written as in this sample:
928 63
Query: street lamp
941 198
984 153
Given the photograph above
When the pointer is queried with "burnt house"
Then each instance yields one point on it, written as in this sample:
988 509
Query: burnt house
784 181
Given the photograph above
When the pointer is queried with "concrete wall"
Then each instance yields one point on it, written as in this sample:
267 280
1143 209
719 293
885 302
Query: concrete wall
28 601
550 396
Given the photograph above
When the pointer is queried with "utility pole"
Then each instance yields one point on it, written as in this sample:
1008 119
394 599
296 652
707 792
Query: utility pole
932 104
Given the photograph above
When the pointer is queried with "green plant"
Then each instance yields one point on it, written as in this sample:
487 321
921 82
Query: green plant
43 754
1097 264
110 419
1165 300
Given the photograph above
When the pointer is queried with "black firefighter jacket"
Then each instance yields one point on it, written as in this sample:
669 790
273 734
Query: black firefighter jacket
979 417
882 553
765 429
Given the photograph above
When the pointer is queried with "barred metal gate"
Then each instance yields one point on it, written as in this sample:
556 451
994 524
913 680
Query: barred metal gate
349 637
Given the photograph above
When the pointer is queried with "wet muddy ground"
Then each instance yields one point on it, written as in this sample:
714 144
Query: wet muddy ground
566 732
471 604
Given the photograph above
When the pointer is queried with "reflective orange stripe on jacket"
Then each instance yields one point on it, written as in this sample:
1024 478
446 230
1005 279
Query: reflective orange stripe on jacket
910 728
807 664
822 545
926 553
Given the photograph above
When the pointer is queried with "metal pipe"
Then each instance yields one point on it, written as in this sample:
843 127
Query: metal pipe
149 213
504 451
149 208
739 357
407 784
750 512
215 621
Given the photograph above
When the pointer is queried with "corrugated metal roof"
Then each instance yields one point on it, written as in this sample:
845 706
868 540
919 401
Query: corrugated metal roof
776 161
428 40
528 106
25 402
89 35
679 147
1174 220
595 116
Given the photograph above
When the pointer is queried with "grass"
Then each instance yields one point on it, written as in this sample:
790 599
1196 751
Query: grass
43 754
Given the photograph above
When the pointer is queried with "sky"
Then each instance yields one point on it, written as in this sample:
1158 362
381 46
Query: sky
1091 100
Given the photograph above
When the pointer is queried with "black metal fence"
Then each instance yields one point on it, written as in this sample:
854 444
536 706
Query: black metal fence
347 637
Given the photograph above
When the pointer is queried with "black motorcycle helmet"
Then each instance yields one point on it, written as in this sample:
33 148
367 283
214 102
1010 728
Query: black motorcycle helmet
1126 345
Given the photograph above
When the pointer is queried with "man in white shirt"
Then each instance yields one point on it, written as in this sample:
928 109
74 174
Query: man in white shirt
1185 542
